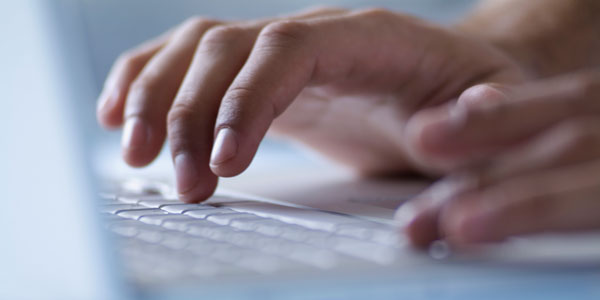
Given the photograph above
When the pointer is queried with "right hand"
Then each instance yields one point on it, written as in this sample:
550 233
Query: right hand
343 82
538 168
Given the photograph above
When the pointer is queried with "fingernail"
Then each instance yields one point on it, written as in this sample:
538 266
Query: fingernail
185 172
225 146
405 214
135 133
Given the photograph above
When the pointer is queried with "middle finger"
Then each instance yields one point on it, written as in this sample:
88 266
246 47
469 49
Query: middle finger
220 55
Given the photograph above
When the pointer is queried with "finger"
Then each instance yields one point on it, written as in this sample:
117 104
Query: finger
547 201
473 130
111 101
153 91
223 50
287 57
419 217
568 143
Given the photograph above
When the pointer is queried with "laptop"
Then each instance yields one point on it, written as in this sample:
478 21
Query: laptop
67 234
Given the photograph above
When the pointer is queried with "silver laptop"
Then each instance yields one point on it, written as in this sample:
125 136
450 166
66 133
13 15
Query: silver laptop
69 235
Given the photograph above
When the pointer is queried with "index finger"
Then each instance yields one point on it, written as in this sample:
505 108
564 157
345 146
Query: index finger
287 57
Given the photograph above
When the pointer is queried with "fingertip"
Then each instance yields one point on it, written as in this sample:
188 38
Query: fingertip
194 183
482 95
227 159
140 142
429 136
225 147
200 192
418 224
107 112
467 221
137 158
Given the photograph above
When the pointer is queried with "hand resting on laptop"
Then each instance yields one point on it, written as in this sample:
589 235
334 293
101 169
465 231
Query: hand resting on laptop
547 181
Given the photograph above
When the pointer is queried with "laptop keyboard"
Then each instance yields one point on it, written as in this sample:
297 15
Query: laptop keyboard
161 238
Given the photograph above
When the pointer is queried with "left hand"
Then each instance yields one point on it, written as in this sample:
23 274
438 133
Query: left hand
530 163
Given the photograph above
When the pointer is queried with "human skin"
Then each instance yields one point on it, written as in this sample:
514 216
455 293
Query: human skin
371 89
343 82
522 157
546 180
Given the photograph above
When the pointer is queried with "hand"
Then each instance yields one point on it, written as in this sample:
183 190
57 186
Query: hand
214 88
547 180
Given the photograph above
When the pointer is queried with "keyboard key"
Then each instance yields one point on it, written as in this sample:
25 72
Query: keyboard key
228 254
214 232
301 234
309 218
110 218
202 247
145 187
175 240
323 259
182 224
273 228
368 251
264 264
159 219
203 213
137 198
115 208
136 214
381 234
250 240
125 229
226 219
157 203
182 208
152 236
206 268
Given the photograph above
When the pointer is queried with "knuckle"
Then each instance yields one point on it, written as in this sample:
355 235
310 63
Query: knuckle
235 105
140 92
219 38
284 34
198 23
129 60
144 85
179 120
322 9
375 12
235 97
587 91
180 112
580 134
